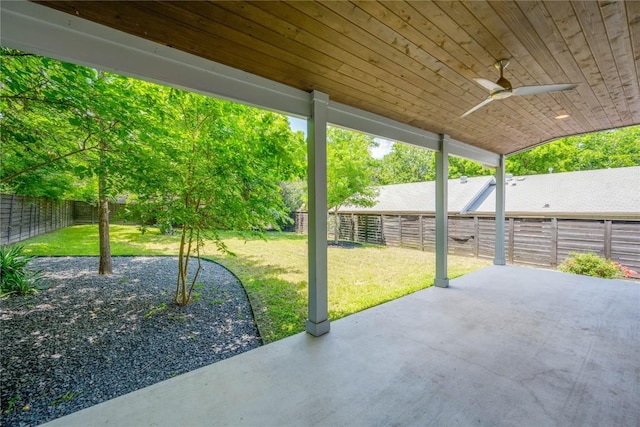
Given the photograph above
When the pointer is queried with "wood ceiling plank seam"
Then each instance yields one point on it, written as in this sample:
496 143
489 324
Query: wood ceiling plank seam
582 59
395 21
618 29
531 39
545 26
304 12
343 13
633 18
603 54
496 33
325 84
433 100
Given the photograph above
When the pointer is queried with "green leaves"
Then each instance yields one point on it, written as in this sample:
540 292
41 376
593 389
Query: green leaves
349 168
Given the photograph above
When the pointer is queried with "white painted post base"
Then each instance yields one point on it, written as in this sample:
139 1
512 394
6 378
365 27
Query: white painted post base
317 329
441 283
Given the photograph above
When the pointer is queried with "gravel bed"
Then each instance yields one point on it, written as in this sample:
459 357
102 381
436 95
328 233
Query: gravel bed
87 338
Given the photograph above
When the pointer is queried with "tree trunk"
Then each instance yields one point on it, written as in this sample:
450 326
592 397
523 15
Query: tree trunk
106 266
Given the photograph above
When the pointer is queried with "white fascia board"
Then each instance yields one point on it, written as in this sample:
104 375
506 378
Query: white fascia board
44 31
363 121
460 149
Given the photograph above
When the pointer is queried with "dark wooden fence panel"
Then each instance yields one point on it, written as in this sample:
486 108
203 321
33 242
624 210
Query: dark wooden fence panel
580 236
461 235
487 237
625 243
410 235
543 242
531 241
391 228
428 233
23 217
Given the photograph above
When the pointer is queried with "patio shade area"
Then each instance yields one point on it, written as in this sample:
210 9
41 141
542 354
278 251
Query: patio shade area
501 346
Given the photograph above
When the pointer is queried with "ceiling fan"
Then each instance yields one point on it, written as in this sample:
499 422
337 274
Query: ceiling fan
502 88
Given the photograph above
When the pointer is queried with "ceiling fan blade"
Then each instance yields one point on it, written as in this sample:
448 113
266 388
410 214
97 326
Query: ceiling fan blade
482 104
535 90
488 84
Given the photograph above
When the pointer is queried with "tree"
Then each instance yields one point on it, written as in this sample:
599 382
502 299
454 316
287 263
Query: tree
67 130
598 150
349 171
220 168
406 163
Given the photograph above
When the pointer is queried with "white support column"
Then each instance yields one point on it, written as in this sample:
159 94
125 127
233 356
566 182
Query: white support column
500 214
318 320
442 214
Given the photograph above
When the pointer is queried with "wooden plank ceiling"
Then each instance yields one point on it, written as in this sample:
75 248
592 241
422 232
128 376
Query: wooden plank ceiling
415 61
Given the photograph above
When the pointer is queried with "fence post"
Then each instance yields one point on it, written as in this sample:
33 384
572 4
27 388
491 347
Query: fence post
476 236
421 228
607 238
13 196
554 242
511 239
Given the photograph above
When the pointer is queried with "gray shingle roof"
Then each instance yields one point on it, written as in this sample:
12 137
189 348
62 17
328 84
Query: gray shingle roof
604 192
421 196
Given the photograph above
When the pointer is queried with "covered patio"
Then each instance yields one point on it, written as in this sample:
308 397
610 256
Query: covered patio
501 346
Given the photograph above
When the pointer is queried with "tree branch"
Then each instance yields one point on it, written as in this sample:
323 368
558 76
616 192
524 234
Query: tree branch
48 162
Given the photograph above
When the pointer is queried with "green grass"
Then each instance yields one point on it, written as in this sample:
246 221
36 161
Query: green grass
274 270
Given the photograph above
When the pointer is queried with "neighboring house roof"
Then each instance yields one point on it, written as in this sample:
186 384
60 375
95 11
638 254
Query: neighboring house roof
595 193
420 197
610 192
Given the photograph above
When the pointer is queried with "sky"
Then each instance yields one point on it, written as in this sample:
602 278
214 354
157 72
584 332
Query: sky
384 146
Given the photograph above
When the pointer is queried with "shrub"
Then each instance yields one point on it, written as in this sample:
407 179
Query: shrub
15 278
590 264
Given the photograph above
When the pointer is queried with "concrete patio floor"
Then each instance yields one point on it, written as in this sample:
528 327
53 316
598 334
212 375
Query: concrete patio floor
502 346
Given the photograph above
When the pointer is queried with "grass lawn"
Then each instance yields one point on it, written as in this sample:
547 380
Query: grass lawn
274 271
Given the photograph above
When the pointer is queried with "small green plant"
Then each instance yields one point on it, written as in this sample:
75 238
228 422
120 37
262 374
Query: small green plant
15 277
12 403
155 310
590 264
67 397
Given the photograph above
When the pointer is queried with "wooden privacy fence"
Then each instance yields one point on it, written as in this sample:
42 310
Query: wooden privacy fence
535 241
22 217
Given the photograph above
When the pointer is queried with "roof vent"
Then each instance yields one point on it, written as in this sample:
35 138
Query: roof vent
546 205
463 179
